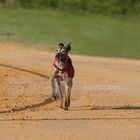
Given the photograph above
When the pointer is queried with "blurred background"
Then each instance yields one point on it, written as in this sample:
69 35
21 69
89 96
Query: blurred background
109 28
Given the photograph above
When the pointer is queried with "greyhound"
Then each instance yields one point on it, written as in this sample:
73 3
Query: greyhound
64 70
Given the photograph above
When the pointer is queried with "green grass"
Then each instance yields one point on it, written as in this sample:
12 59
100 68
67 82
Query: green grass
94 35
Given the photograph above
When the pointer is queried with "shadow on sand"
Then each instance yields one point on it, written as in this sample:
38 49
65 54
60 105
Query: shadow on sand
25 70
33 106
125 107
92 108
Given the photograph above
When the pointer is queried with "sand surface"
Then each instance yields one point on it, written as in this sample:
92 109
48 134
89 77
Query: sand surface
105 102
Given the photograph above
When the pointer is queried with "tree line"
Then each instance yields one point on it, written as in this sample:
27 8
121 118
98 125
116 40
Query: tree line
123 7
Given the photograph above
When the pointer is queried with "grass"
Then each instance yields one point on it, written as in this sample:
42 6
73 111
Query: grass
93 35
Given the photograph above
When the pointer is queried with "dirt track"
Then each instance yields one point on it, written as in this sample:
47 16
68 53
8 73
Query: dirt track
105 98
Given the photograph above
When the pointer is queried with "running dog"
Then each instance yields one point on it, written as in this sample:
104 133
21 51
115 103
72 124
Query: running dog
63 70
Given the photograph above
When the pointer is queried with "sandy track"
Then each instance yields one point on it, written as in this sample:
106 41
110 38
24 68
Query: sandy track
105 99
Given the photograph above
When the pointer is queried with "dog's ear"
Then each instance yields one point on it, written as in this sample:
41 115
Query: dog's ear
69 44
68 47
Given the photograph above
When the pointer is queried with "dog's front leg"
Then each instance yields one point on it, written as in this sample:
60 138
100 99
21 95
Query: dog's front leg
69 83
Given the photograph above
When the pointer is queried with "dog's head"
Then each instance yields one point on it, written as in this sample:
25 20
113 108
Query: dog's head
61 56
